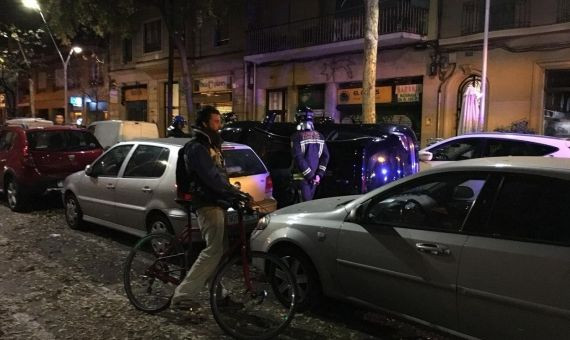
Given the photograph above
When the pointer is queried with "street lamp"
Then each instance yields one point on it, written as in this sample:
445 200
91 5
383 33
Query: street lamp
33 4
77 50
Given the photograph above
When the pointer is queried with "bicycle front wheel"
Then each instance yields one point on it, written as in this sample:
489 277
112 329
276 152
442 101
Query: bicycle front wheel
153 269
260 308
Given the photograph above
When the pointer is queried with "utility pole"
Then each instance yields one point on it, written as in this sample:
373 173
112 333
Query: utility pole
169 93
481 123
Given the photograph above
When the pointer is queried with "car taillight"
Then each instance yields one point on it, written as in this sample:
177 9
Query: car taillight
28 160
268 185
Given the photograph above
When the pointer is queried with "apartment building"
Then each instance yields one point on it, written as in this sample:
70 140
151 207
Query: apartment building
273 56
528 64
139 68
310 53
87 96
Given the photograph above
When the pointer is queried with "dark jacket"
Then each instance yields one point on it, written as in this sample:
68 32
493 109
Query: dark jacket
310 153
172 131
205 163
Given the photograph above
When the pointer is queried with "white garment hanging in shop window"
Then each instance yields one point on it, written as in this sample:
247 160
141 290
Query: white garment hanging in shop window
470 119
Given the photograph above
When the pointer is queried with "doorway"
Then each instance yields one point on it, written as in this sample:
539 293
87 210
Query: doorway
137 110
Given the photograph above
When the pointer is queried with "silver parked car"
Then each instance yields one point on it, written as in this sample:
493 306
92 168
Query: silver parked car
132 187
478 247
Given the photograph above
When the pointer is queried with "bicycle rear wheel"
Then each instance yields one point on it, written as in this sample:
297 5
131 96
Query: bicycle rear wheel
153 269
261 312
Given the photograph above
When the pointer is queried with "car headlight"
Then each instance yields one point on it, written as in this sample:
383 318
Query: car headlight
261 225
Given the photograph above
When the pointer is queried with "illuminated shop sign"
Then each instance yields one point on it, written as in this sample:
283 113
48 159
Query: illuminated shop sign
354 96
213 84
76 101
409 93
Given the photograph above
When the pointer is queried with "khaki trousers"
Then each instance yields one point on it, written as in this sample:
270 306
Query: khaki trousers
212 227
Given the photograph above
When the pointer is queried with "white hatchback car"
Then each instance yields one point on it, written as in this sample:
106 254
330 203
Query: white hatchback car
493 144
132 187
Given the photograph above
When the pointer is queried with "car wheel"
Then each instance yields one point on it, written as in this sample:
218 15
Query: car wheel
308 285
14 195
73 213
159 224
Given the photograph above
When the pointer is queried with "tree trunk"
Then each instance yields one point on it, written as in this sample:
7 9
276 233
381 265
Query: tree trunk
371 12
186 75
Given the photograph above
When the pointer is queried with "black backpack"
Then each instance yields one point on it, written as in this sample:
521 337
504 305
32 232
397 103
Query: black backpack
183 177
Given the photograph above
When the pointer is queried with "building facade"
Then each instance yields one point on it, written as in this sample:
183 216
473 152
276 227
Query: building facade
528 74
87 89
429 53
310 54
139 69
274 56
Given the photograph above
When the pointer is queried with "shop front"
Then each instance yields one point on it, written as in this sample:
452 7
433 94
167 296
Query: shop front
398 101
556 120
97 110
215 91
313 96
76 110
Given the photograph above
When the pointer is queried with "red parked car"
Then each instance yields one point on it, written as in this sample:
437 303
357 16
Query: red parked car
36 160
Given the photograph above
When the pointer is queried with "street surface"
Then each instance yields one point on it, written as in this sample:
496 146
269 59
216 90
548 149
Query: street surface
57 283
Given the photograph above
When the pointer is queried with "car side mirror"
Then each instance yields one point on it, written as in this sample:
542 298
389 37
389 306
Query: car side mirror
89 171
355 215
426 156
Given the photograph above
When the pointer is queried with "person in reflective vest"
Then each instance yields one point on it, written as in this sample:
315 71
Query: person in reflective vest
310 154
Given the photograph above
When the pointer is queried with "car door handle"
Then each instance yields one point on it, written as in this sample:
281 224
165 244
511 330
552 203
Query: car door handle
110 186
433 248
146 189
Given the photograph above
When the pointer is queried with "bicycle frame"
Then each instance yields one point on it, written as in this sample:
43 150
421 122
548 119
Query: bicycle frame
185 237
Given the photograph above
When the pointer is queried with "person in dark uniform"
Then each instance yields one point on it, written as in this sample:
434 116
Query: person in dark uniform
175 129
310 154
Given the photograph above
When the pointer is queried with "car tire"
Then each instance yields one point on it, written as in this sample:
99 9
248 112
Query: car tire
73 213
306 276
158 223
14 196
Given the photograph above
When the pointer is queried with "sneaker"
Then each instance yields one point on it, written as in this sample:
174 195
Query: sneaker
184 304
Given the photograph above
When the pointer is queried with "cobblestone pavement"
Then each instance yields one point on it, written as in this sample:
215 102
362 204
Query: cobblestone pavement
57 283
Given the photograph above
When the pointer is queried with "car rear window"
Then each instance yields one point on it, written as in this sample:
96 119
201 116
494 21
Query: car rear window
242 162
62 141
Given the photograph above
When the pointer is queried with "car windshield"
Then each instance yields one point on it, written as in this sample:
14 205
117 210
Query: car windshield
242 162
61 141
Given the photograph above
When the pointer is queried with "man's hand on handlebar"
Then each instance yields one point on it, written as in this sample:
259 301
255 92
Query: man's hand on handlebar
244 201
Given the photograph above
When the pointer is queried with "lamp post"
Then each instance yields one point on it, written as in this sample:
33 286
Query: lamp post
33 4
77 50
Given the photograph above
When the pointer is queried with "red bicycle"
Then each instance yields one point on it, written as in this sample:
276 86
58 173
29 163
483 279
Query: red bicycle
252 294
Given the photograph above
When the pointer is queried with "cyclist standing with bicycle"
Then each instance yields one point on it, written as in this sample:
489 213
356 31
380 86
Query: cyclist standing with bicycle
211 191
310 153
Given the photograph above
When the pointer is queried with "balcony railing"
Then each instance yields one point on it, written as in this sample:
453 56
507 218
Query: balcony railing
395 16
504 14
563 11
